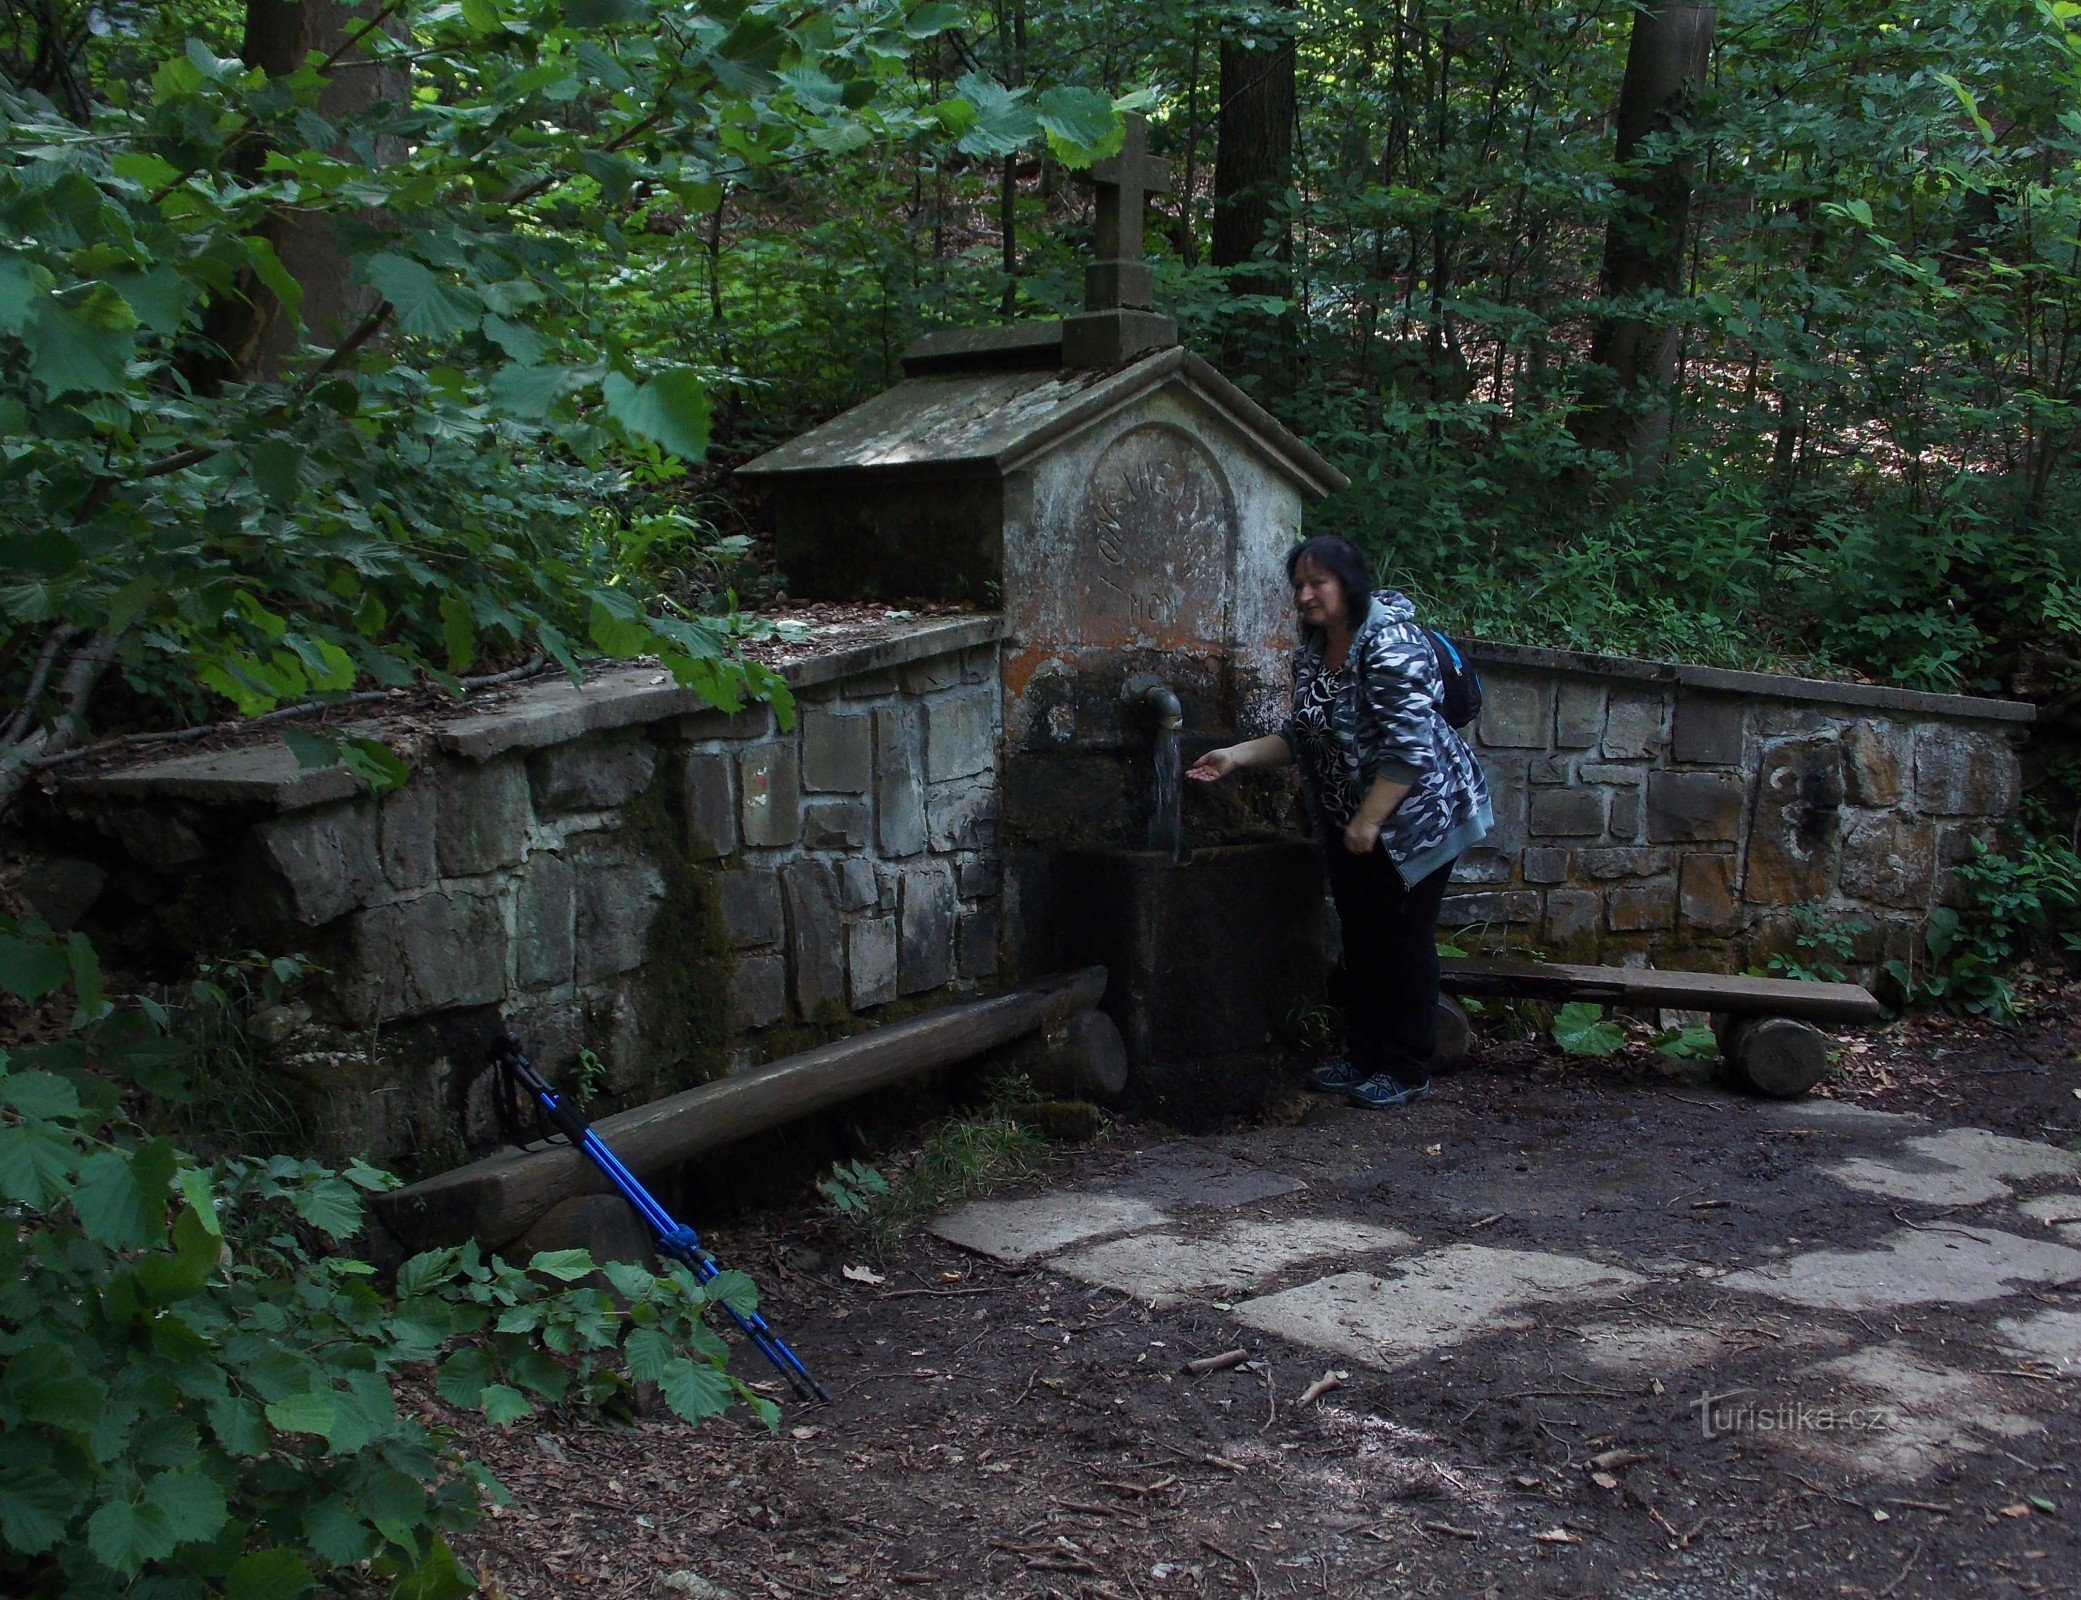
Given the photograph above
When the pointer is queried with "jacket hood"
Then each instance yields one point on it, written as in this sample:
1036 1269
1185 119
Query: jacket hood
1388 606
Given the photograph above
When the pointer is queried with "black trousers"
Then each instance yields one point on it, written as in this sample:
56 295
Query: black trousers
1390 962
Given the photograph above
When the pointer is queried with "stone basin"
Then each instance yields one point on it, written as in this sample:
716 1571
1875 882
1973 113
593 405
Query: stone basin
1209 956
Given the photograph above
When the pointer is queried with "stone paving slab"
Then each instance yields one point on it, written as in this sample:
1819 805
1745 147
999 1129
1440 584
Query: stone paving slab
1018 1231
1921 1414
1163 1268
1958 1167
2053 1336
1438 1300
1928 1265
1187 1174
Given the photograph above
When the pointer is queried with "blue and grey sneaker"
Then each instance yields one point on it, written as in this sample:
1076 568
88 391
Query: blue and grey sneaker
1335 1077
1381 1092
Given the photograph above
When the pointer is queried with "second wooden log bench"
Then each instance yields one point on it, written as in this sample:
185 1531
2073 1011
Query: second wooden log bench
1767 1027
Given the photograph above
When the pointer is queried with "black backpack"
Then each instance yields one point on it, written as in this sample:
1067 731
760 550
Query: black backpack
1460 703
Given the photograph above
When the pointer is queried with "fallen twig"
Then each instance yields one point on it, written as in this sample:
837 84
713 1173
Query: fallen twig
1901 1576
1249 1566
1316 1390
1449 1530
1221 1363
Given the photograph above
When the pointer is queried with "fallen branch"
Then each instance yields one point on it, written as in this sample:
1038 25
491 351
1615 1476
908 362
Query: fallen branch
1221 1363
1316 1390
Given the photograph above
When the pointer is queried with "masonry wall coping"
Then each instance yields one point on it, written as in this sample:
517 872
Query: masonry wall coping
1760 685
547 712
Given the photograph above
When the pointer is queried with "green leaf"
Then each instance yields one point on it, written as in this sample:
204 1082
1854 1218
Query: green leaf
435 1576
32 968
275 463
695 1390
519 341
191 1502
312 1412
1581 1029
375 764
463 1376
482 16
34 1166
423 304
36 1507
277 1574
735 1290
567 1266
120 1198
458 631
648 1351
670 409
991 119
1081 125
40 1094
70 356
337 1534
123 1535
23 287
311 750
605 13
503 1404
331 1205
426 1272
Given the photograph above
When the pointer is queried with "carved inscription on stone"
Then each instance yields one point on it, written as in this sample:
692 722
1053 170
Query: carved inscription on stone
1157 537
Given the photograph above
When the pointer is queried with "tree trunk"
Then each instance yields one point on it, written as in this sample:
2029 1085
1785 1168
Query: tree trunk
248 330
1253 168
1633 357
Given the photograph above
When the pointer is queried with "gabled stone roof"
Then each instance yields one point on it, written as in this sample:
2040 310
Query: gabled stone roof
994 422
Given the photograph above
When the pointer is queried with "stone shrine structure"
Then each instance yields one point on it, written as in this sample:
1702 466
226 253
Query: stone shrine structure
1128 511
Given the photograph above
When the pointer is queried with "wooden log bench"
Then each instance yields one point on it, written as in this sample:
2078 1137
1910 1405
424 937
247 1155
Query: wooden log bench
552 1195
1769 1029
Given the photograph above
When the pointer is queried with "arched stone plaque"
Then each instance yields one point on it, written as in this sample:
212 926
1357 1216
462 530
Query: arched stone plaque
1157 537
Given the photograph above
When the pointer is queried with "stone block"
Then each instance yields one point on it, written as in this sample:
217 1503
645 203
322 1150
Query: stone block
927 952
759 991
702 796
61 889
930 675
1507 791
405 836
1578 714
544 929
1963 773
482 817
1621 861
750 905
1623 819
594 775
1707 729
322 862
857 888
1694 807
1642 907
1482 865
1573 913
961 815
753 722
1489 906
975 943
770 791
979 664
1632 727
1544 865
1795 827
446 948
869 685
1876 757
1551 771
153 839
1516 713
618 899
899 790
1705 891
1566 813
816 935
837 752
870 962
1611 774
980 877
836 824
1957 843
960 735
1889 861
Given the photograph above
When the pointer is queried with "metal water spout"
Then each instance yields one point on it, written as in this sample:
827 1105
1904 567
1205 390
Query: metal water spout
1166 822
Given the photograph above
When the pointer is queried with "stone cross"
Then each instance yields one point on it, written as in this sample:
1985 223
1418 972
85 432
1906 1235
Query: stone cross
1119 277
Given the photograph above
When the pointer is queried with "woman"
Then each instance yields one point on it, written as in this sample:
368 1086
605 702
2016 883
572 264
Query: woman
1394 796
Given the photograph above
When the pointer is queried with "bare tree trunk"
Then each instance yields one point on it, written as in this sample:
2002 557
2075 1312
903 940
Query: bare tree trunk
1633 357
1253 168
249 329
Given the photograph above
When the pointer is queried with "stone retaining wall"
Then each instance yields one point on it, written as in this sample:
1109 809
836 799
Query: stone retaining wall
1683 815
616 870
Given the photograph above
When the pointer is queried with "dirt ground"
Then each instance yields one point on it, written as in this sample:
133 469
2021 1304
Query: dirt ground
1621 1336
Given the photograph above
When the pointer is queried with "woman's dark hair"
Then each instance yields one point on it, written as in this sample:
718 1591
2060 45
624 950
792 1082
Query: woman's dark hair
1342 560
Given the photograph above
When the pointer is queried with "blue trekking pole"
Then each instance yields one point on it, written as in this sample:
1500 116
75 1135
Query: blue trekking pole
674 1239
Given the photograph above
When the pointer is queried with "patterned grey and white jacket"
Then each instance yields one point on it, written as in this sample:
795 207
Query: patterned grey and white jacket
1388 723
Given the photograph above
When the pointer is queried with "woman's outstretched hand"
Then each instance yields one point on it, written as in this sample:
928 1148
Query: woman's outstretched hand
1213 766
